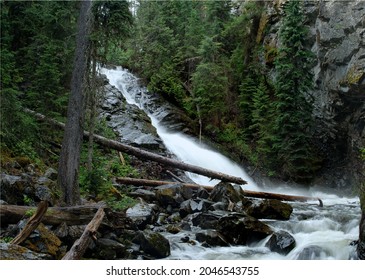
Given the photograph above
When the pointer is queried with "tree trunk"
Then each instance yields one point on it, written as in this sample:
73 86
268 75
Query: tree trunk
79 247
155 183
32 224
148 155
73 215
70 153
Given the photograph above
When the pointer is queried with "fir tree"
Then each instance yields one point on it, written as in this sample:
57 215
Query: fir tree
295 153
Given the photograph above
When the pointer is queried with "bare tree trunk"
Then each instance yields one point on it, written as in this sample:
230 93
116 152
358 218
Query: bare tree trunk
79 247
32 224
68 170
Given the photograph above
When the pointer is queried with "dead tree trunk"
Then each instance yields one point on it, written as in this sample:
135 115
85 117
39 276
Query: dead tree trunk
150 156
73 215
79 247
32 224
154 183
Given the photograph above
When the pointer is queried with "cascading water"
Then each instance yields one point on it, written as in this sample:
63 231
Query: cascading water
320 233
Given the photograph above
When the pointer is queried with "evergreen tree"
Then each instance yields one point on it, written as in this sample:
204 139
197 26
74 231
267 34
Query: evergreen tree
295 153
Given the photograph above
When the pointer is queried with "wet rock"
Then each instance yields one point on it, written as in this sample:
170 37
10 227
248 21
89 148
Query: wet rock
225 192
281 242
142 214
172 194
211 237
16 252
173 229
193 206
202 193
270 209
154 244
208 220
311 253
241 229
108 249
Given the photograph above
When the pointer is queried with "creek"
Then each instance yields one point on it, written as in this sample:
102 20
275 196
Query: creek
320 233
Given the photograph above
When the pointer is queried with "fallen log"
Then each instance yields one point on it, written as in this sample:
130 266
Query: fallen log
115 145
155 183
32 224
73 215
279 196
79 247
254 194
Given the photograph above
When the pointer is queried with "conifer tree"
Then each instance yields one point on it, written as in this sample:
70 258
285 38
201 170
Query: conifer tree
295 153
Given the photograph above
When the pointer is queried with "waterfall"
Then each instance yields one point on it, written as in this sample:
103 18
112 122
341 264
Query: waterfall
320 233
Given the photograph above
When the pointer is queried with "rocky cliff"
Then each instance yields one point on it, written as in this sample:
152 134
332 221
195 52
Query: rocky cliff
337 38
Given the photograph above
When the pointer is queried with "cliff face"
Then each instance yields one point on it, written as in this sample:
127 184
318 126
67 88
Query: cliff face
337 38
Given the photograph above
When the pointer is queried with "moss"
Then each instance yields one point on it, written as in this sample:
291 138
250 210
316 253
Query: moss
354 76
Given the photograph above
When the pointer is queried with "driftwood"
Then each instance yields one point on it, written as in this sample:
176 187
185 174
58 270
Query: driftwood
79 247
32 224
255 194
73 215
112 144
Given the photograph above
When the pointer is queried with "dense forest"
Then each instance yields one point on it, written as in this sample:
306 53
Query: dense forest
206 57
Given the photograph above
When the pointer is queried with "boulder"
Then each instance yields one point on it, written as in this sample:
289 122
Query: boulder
208 220
225 192
193 206
241 229
154 244
15 188
172 194
211 238
108 249
270 209
281 242
142 214
15 252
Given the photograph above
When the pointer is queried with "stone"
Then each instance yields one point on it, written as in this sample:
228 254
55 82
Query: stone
154 244
281 242
13 188
211 237
270 209
108 249
43 240
15 252
172 194
142 214
225 192
241 229
51 174
208 220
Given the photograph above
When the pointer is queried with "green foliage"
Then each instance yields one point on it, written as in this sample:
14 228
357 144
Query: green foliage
296 155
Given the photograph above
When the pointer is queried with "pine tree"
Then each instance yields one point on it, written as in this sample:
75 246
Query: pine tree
295 153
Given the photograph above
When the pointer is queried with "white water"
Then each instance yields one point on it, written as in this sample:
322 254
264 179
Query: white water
332 227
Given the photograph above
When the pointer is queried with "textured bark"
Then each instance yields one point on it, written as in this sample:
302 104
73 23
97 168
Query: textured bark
32 224
70 153
79 247
73 215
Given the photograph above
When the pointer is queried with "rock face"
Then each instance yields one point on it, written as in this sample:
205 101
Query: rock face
337 39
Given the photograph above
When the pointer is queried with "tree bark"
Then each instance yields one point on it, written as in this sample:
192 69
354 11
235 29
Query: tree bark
112 144
32 224
79 247
73 215
70 152
154 183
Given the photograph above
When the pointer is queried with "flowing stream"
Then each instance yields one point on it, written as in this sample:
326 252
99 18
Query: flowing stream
320 233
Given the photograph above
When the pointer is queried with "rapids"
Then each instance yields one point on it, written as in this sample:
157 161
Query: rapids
320 233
